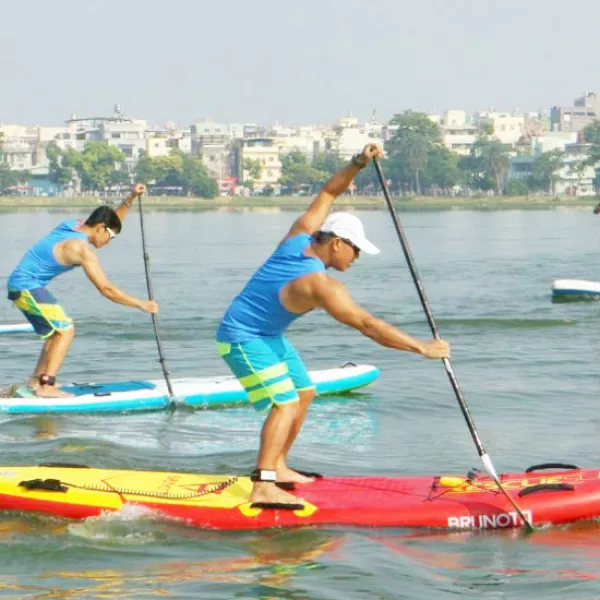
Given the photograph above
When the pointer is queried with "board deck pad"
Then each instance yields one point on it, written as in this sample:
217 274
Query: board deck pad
213 501
81 389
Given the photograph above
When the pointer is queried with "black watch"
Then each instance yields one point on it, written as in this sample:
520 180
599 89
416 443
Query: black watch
357 162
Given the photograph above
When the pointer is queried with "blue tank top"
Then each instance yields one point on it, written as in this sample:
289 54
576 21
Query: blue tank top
38 267
257 311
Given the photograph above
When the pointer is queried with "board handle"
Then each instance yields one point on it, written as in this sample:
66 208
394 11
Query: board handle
561 466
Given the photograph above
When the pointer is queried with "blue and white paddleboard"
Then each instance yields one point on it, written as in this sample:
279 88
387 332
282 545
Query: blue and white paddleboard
196 392
574 289
16 328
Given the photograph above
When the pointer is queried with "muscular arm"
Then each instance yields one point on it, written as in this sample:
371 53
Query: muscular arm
317 212
124 207
332 296
78 252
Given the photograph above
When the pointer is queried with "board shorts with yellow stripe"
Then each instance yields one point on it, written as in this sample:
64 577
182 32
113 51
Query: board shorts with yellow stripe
42 310
270 370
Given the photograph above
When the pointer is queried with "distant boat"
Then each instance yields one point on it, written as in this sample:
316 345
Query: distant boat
575 289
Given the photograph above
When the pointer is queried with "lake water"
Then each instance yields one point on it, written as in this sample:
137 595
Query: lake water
529 370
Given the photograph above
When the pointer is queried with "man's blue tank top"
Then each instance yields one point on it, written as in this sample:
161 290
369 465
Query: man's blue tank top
38 267
257 311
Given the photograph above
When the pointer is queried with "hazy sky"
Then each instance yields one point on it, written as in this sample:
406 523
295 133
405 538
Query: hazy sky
307 61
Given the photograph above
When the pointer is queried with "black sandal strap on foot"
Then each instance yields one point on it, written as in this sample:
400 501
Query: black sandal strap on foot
309 474
264 475
277 505
289 486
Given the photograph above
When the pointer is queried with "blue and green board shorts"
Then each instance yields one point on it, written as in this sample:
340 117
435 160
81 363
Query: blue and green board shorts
269 369
42 310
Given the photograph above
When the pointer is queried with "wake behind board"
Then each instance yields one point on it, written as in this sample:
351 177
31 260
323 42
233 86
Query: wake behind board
548 494
197 392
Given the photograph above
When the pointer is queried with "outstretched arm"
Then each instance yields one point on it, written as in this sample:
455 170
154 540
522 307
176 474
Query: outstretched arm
332 296
78 252
136 192
317 212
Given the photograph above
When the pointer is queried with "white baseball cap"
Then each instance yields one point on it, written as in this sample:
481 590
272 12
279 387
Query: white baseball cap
348 227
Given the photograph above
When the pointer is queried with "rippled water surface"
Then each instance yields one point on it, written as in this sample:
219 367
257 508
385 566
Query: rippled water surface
529 370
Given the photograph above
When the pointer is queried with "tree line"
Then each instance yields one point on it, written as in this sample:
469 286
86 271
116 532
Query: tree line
417 162
101 166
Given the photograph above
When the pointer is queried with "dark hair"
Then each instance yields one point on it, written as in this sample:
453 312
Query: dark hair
107 216
322 237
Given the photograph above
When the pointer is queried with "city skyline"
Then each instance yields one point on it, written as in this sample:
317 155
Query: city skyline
276 62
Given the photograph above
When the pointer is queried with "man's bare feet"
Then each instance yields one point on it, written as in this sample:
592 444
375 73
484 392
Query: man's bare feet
49 391
284 473
267 491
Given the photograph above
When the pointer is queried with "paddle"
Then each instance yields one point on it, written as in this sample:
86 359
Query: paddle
485 459
161 356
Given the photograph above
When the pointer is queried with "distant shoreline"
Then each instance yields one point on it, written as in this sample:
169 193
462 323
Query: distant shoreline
421 203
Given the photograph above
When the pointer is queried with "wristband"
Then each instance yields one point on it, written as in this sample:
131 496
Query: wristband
357 162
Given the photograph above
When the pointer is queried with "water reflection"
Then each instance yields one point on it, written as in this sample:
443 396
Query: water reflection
262 562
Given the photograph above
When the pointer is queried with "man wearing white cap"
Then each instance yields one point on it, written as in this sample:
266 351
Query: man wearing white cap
292 282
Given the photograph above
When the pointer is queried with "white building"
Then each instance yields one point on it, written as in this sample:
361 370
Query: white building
458 131
350 137
553 140
508 127
266 152
571 180
19 146
308 139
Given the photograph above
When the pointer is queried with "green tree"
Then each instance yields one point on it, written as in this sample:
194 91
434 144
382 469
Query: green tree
96 165
327 163
144 170
441 172
163 171
254 168
487 164
61 163
591 135
10 177
177 170
408 150
485 128
516 187
296 172
578 168
195 178
545 170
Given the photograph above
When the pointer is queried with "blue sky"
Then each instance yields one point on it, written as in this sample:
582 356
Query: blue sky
292 62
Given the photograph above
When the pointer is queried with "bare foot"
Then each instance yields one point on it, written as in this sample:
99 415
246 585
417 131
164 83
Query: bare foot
284 473
266 491
49 391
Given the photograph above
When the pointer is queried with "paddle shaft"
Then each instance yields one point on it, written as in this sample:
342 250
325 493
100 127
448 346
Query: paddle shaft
161 356
434 330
